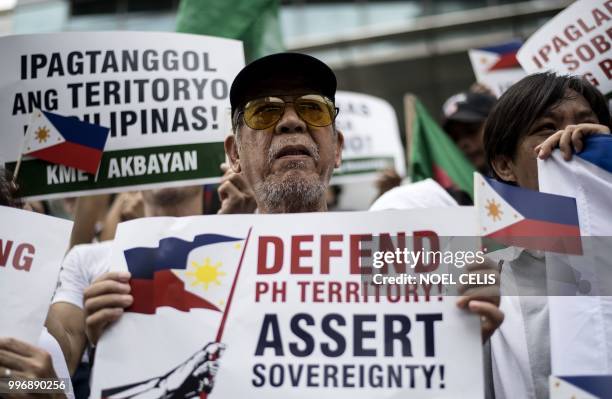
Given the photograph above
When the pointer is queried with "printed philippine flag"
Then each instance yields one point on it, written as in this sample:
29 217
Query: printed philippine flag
66 141
169 342
514 216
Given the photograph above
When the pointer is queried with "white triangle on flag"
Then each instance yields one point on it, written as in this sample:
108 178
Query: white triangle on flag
561 389
482 61
211 270
494 212
41 134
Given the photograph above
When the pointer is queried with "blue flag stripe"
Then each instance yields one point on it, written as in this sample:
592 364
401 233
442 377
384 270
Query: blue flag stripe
75 131
597 385
172 253
598 151
535 205
504 48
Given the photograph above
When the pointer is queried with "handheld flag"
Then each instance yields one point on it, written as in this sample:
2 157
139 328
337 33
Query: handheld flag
525 218
434 155
580 387
65 141
497 66
160 274
581 326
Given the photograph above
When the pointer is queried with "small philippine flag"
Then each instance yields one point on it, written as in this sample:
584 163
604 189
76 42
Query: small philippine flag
525 218
66 141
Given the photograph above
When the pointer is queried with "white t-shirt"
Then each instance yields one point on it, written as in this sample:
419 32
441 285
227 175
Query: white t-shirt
422 194
81 266
47 342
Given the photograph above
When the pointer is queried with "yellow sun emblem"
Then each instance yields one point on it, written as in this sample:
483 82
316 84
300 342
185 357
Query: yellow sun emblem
494 210
42 134
205 273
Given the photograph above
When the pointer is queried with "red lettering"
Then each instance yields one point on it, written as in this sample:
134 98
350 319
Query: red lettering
386 245
585 53
570 62
297 253
356 253
544 51
5 250
600 43
606 67
572 33
20 260
327 252
262 255
599 17
584 26
589 76
558 43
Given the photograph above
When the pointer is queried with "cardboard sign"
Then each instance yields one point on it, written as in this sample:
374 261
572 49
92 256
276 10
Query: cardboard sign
32 247
282 294
496 66
577 41
164 97
371 137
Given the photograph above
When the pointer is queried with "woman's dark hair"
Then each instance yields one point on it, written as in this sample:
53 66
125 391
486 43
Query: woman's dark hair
527 100
8 191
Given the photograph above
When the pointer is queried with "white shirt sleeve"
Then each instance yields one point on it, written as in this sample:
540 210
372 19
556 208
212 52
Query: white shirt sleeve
81 266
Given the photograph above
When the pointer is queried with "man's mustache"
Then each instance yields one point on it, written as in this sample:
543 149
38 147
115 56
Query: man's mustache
279 146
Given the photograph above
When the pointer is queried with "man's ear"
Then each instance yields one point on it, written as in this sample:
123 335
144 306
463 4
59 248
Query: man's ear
338 150
231 151
504 168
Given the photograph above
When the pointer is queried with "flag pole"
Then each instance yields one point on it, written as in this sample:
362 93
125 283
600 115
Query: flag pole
231 294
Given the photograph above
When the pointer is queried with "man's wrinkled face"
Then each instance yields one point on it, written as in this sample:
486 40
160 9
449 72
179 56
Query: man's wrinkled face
289 164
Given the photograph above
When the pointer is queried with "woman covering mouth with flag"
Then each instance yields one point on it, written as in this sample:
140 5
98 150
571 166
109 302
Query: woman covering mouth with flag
536 115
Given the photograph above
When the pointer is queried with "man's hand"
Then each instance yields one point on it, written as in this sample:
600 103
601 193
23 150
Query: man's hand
24 361
105 300
235 193
569 139
483 300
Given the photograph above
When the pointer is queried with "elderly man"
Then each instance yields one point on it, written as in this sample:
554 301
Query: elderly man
285 142
286 147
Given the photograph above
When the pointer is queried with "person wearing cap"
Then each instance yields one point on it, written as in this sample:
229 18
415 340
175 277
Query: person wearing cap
285 142
465 115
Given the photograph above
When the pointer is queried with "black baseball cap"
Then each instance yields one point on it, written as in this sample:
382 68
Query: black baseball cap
468 107
282 72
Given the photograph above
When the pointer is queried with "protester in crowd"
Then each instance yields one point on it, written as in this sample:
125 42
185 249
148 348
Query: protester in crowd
89 263
286 146
540 112
464 118
17 358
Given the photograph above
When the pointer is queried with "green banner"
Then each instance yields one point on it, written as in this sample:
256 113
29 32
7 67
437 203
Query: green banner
124 168
355 166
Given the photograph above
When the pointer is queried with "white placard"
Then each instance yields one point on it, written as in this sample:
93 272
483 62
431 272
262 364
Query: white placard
32 247
577 41
298 324
371 137
165 97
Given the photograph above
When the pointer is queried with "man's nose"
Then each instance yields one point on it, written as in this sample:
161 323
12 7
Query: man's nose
290 122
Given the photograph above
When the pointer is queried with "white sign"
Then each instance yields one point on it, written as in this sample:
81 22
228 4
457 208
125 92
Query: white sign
164 96
371 137
32 247
496 66
577 41
298 323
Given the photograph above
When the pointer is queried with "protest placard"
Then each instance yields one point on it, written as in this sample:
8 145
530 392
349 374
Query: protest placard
283 294
371 137
164 97
32 247
496 66
577 41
